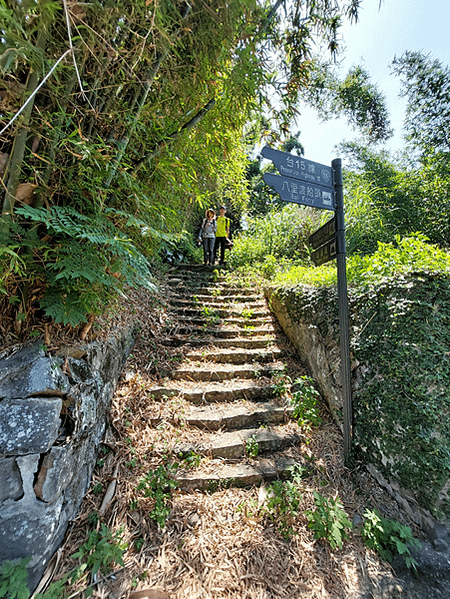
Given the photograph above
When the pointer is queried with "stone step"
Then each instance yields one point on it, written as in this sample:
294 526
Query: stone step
223 372
221 475
237 416
224 331
249 342
230 321
237 356
223 290
197 392
198 301
237 296
237 444
211 313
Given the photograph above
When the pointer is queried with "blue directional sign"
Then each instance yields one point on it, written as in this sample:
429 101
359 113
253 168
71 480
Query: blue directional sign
301 192
299 168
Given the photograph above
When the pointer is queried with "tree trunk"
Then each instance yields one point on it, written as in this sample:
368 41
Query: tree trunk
151 74
18 151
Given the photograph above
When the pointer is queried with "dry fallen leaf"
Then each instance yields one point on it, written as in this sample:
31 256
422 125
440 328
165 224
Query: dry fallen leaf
149 594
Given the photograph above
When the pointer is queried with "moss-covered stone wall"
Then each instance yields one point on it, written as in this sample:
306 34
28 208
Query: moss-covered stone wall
400 338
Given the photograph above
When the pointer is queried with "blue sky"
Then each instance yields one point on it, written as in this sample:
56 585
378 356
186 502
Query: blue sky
381 34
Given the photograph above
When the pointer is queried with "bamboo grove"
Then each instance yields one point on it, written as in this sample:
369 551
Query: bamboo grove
120 119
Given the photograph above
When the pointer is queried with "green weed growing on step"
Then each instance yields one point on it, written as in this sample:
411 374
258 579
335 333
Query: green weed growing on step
306 403
252 447
329 520
210 315
281 384
389 538
158 485
247 313
191 460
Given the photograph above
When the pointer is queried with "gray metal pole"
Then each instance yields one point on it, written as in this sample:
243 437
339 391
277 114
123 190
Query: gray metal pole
343 309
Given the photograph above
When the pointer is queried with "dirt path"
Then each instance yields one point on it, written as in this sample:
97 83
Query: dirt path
222 412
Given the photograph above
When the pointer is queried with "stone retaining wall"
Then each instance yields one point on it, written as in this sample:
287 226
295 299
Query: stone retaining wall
53 414
310 321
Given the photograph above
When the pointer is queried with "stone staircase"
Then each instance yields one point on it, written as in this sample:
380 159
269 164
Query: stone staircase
228 382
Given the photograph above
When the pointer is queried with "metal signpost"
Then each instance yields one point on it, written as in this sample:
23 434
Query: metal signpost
312 184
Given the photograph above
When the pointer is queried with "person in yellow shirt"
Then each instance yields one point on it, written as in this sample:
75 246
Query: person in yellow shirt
222 234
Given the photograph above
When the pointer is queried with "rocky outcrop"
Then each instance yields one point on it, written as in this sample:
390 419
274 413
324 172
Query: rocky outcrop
53 415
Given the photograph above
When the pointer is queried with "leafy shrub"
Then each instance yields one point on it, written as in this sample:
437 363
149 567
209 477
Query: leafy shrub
389 538
82 261
306 403
100 552
328 521
269 240
158 484
408 254
13 579
283 505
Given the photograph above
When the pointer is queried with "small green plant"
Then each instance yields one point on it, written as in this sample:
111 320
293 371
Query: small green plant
100 552
247 313
97 488
158 485
297 472
306 403
13 579
252 447
328 521
210 315
191 460
281 384
282 506
94 518
389 538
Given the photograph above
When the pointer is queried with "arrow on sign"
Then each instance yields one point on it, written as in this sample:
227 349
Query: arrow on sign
299 192
299 168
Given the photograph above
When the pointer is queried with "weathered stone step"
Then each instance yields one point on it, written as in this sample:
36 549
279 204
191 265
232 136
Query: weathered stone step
248 315
225 331
250 303
223 372
237 444
237 416
236 296
222 475
224 290
197 392
237 356
230 321
250 342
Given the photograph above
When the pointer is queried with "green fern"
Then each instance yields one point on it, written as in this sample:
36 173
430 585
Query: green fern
87 261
